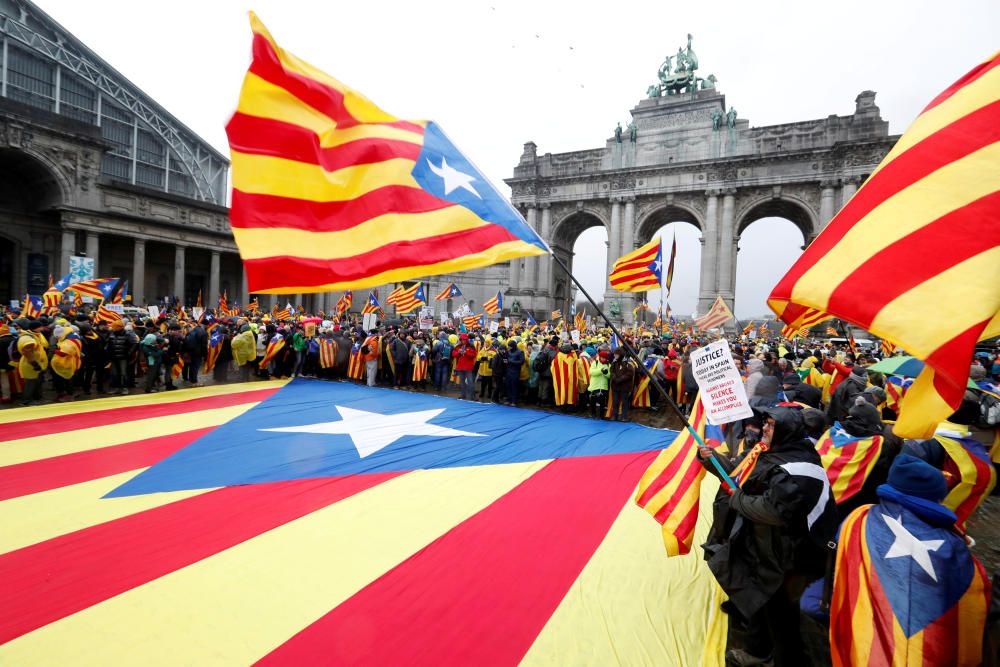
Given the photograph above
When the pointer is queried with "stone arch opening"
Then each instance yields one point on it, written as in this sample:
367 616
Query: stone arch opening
668 222
27 185
658 218
580 240
767 248
796 212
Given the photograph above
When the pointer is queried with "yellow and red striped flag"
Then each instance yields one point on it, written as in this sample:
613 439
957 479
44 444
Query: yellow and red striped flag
344 302
670 489
494 305
329 191
390 299
716 316
640 270
410 298
929 214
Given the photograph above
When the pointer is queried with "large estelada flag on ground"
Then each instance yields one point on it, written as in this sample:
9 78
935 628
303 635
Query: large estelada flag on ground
328 522
640 270
331 192
914 256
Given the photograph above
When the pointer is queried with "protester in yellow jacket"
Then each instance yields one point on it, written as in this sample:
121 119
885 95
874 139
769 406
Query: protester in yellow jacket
32 347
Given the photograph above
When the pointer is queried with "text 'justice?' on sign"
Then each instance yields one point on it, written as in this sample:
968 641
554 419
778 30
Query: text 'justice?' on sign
722 390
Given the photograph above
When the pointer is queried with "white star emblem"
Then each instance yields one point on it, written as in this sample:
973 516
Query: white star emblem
659 265
453 178
841 433
371 431
907 544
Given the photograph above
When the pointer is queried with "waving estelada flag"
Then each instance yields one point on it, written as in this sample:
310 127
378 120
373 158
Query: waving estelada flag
164 528
330 192
344 302
914 256
716 316
410 298
449 292
640 270
372 306
494 305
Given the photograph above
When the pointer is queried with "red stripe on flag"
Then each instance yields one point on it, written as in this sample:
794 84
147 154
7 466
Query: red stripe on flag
53 579
305 272
264 136
35 476
481 593
976 72
882 620
318 95
672 468
964 136
951 239
254 211
62 423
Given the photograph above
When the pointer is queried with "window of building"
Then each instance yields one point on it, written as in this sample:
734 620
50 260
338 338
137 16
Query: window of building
31 79
151 159
116 128
77 99
180 182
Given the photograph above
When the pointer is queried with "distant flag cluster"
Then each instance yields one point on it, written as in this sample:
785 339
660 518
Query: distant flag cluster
331 192
410 298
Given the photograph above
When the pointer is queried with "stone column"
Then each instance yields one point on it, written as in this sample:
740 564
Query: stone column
139 272
628 226
727 247
709 252
66 250
847 190
213 279
826 202
545 263
179 273
514 275
614 237
531 263
94 250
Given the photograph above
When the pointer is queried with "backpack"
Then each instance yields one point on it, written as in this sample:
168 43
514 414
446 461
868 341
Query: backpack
541 362
12 350
446 350
366 349
989 410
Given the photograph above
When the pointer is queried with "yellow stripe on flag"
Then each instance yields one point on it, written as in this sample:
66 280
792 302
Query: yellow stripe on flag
500 252
263 99
86 439
965 100
598 607
245 601
955 185
280 177
357 104
362 238
41 516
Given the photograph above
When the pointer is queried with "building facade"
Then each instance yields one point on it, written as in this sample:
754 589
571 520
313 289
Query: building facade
687 157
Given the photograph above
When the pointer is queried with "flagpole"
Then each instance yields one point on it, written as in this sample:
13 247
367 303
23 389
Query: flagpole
652 379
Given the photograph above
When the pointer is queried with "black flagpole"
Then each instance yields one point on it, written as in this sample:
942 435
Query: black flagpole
652 379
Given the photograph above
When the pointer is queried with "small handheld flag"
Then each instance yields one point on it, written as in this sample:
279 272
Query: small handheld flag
716 316
640 270
494 305
669 281
449 292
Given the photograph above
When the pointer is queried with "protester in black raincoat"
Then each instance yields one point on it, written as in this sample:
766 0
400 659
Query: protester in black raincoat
843 396
764 546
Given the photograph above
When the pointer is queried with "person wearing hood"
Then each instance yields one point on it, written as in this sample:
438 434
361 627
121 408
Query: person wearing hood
755 371
856 456
843 396
465 365
904 559
564 377
244 349
624 376
765 543
966 462
512 374
32 349
153 347
767 393
600 375
798 391
8 366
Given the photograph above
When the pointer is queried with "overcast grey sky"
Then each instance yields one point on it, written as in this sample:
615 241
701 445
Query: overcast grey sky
496 74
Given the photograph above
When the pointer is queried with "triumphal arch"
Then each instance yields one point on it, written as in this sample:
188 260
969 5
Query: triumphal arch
687 156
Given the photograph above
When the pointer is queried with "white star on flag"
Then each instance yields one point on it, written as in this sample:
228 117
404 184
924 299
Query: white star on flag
372 431
453 178
907 544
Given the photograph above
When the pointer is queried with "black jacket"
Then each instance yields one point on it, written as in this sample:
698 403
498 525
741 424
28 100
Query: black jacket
120 345
774 524
843 396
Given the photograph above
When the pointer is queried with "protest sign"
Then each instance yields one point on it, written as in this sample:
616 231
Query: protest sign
494 326
197 312
575 335
722 392
116 307
154 312
506 322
